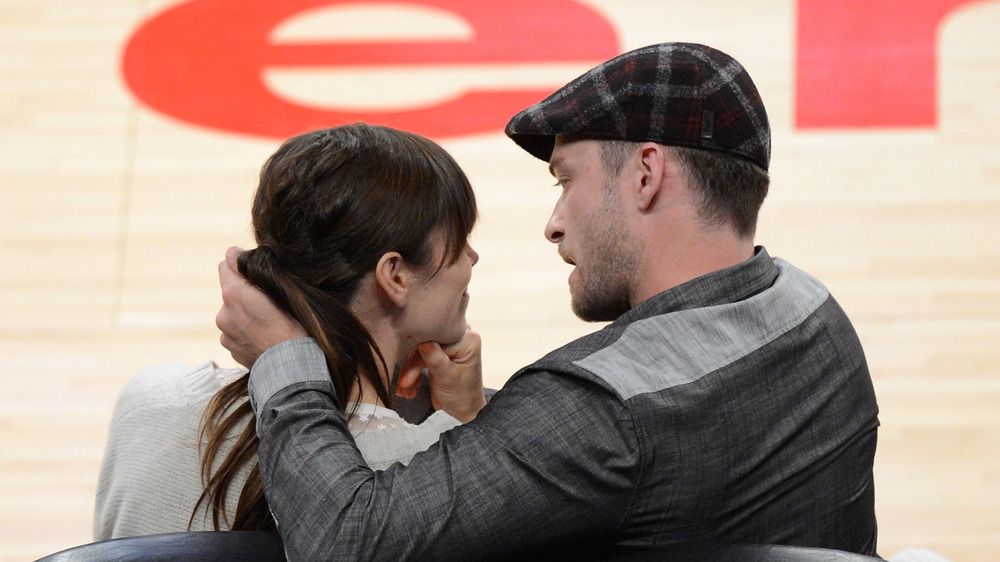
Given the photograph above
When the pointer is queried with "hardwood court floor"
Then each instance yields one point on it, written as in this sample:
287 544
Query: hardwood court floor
113 218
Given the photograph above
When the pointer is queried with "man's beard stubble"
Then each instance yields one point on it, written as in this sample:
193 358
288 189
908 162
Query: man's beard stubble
603 293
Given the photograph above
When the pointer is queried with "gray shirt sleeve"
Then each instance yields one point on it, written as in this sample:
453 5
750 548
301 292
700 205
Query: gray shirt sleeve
550 462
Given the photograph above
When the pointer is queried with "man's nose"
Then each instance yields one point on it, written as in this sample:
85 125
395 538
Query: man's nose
554 228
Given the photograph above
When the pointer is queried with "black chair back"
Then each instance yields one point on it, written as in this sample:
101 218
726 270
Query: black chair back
215 546
746 553
233 546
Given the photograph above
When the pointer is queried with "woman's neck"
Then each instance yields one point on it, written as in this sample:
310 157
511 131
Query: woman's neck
366 394
377 320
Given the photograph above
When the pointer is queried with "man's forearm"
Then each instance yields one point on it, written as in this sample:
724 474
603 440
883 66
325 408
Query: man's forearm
316 482
312 471
482 491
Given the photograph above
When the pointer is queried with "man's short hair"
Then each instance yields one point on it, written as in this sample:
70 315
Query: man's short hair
731 189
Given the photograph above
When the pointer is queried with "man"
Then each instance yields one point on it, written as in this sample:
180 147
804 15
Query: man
729 401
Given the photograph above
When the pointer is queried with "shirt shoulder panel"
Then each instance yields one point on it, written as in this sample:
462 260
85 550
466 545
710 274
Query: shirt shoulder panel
677 348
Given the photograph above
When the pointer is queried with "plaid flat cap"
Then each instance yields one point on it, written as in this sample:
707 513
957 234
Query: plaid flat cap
677 94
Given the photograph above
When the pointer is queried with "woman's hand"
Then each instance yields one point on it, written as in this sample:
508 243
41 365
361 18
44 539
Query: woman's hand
456 375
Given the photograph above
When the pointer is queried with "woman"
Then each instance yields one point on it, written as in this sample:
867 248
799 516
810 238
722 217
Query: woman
362 237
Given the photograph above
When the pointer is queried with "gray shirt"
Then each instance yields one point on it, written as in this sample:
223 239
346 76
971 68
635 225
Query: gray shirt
735 408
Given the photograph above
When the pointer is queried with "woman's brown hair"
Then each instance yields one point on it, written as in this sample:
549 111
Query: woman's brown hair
329 204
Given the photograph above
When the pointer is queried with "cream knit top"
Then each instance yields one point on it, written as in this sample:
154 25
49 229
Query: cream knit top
150 478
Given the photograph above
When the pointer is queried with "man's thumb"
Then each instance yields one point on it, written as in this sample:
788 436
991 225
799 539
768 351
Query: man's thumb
433 355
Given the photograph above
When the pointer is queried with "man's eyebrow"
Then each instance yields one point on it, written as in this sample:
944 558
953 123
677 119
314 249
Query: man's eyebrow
555 163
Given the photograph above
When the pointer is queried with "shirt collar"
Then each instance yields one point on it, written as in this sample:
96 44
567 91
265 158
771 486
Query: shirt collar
732 284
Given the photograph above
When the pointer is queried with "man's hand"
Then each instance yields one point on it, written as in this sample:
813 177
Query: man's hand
456 375
250 322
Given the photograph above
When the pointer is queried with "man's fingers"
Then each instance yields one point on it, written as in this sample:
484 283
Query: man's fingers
464 349
433 355
456 376
409 381
229 270
233 254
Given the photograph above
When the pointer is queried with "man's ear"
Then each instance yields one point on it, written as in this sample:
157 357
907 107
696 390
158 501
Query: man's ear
651 174
394 277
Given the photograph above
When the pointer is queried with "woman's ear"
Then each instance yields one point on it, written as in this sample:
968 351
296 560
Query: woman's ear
394 277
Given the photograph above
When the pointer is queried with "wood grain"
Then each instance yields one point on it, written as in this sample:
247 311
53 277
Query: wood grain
113 218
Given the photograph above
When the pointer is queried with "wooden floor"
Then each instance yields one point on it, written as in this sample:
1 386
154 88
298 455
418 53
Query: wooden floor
113 218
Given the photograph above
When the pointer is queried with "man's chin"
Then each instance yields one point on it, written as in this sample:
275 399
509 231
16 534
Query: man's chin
590 311
589 315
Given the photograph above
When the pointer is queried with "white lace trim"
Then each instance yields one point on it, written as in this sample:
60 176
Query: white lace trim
369 417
